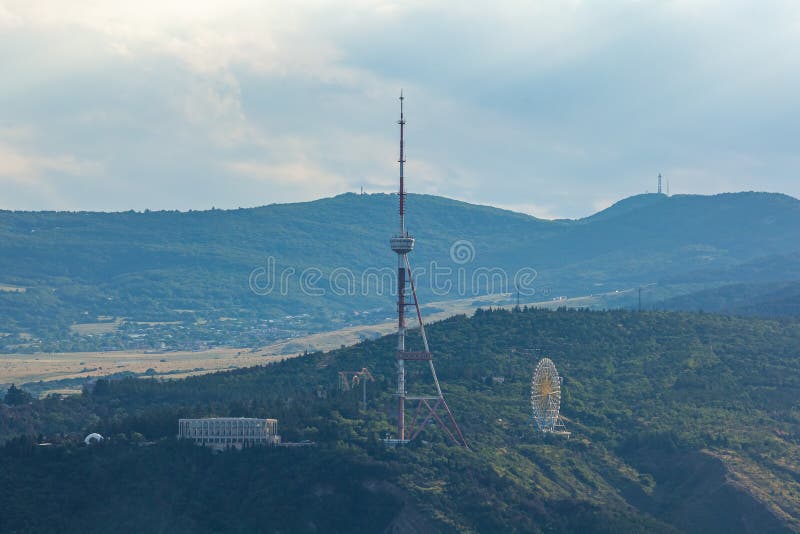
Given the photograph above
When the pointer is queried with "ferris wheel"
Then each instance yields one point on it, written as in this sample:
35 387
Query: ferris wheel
546 398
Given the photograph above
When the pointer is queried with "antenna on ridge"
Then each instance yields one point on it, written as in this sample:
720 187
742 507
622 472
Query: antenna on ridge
659 183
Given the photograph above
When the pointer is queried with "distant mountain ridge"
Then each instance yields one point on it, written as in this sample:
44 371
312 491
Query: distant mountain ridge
166 266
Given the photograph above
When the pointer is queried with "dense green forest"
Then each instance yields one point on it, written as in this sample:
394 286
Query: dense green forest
679 421
192 271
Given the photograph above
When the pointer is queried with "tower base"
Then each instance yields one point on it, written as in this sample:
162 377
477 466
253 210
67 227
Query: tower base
394 442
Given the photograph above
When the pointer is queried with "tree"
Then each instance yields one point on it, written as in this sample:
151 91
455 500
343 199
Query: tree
15 396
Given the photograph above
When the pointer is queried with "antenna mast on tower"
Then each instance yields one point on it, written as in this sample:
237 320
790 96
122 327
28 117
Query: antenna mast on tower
428 407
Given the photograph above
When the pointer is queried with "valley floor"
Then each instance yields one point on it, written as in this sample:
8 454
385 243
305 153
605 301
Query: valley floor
66 372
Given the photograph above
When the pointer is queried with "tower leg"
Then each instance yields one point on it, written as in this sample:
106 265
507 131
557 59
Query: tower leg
364 394
401 413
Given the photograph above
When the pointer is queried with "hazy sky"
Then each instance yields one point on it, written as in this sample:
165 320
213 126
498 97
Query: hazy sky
556 108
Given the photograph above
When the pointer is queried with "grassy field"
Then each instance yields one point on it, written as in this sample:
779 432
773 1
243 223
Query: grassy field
105 327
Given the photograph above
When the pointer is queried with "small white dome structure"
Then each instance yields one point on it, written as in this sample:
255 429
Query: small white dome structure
94 437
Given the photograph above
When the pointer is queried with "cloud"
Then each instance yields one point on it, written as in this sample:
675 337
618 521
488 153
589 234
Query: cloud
7 18
553 106
285 180
214 105
25 167
29 179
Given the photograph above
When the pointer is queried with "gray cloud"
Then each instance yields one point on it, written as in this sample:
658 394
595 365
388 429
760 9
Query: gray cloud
557 108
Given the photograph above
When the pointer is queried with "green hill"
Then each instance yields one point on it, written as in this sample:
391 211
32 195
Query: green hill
679 421
767 299
58 269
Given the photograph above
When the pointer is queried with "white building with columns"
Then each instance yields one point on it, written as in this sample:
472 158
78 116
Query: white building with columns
230 432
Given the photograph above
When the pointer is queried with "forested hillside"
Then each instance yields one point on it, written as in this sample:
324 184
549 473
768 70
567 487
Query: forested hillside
679 421
766 299
184 280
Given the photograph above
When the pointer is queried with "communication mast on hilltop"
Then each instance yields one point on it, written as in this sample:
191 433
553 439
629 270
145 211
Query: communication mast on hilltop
428 407
659 183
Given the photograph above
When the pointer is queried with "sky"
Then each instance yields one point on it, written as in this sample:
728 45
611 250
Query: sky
556 108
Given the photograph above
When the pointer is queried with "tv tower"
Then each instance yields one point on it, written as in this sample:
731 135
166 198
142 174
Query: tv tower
428 407
659 183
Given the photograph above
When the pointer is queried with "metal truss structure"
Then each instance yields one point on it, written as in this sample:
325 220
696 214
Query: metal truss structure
427 408
350 379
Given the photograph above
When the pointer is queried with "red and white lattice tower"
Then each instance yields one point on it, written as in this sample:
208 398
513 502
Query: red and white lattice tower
427 408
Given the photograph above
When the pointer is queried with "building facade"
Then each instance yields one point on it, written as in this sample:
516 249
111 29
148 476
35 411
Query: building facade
230 432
